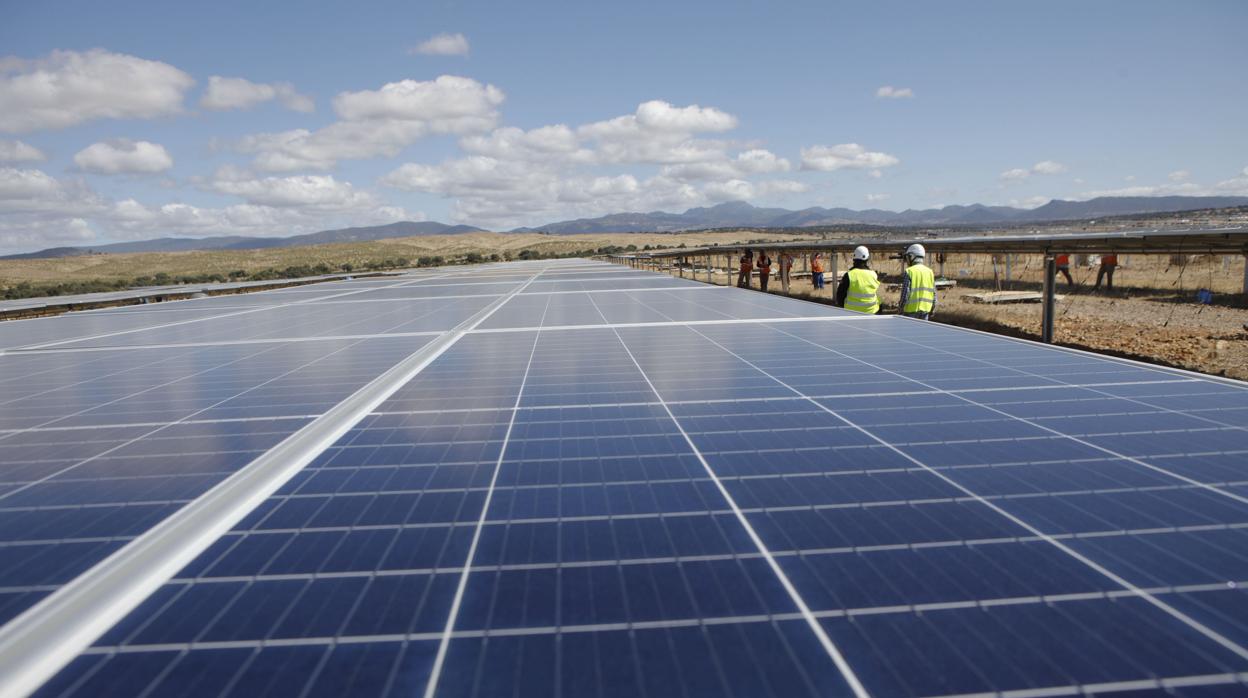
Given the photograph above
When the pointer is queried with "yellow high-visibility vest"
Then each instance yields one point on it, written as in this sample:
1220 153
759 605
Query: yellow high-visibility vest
922 296
861 297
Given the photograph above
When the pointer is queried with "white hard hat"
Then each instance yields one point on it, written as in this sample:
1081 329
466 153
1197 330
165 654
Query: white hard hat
916 250
861 253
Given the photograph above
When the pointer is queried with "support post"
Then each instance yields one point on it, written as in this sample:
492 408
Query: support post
681 262
833 258
1050 305
1246 276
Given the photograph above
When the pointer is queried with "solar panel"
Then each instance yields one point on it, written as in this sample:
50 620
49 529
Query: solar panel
596 481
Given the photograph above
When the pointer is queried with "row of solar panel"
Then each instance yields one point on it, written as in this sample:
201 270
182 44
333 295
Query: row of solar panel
605 516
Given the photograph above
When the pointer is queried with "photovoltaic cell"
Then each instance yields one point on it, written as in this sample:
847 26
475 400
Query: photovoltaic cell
790 500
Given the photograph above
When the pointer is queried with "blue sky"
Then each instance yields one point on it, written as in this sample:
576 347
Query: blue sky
112 126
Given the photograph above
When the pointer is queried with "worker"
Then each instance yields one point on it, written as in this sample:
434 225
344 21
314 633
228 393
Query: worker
786 270
1063 268
816 271
747 266
1109 262
918 285
857 290
764 269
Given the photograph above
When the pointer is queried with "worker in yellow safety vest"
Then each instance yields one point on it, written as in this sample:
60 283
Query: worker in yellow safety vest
918 285
857 290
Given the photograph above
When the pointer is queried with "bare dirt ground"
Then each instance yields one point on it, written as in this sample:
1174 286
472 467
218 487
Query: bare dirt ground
1151 315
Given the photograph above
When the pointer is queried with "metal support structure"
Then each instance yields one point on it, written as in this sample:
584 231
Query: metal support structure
1050 305
708 268
832 264
1245 275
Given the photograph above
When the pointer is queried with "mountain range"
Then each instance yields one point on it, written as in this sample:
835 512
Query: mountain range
742 214
734 214
401 229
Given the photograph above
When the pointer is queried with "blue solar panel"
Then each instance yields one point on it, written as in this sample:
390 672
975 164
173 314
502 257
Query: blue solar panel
606 482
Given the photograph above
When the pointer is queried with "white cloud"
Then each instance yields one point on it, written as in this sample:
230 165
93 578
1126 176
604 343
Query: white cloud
17 151
659 133
1174 189
381 123
1129 178
829 158
1044 167
781 187
750 162
1244 172
37 210
544 144
123 156
876 198
1179 176
890 92
1029 202
238 93
70 87
308 191
443 45
18 235
35 191
1048 167
1232 187
875 174
449 104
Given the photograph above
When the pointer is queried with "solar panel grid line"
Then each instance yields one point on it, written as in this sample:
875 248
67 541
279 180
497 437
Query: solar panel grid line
1161 683
778 553
529 631
222 343
1108 358
63 386
46 345
5 495
219 420
1202 628
678 323
435 673
626 484
787 398
44 638
1137 461
834 653
1163 408
1078 535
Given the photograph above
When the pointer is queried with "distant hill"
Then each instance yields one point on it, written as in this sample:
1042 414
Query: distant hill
740 213
401 229
734 214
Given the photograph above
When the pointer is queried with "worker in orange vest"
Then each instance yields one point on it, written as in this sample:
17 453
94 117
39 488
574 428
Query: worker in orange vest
1063 267
764 269
816 271
747 266
1109 262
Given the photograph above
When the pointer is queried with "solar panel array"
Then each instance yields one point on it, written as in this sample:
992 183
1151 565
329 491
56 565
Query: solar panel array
600 481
